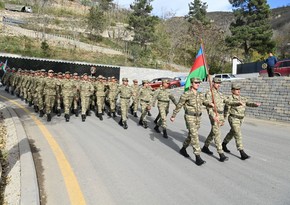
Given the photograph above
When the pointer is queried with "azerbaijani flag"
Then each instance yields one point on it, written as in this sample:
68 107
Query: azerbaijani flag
3 66
197 70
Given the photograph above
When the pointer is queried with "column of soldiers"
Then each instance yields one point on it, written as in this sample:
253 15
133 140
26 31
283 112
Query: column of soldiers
49 92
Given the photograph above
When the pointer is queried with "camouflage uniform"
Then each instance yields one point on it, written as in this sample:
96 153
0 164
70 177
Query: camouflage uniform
134 106
216 117
30 88
237 106
126 93
68 93
192 102
112 90
50 87
100 89
40 93
144 97
76 98
58 100
163 96
86 90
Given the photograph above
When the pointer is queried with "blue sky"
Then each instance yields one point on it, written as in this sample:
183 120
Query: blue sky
180 7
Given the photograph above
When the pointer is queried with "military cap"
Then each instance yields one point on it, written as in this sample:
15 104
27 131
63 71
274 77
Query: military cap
76 74
236 86
165 81
135 81
217 80
124 79
113 77
67 72
42 70
85 74
59 73
195 80
145 81
50 71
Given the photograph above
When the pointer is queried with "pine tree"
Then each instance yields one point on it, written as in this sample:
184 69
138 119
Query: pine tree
251 30
197 12
96 20
141 22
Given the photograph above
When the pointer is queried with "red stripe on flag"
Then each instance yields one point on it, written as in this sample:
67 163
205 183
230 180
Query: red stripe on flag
197 63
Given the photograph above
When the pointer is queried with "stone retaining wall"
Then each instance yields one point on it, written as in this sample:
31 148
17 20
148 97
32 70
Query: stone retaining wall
273 93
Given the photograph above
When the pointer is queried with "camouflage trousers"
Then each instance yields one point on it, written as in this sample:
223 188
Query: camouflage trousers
67 102
163 108
58 101
35 98
134 104
40 101
235 132
85 100
125 103
144 109
49 103
215 134
192 124
112 102
29 95
75 101
100 103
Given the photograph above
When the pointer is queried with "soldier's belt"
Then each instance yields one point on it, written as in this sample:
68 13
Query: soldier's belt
125 97
147 101
220 112
237 116
167 101
197 114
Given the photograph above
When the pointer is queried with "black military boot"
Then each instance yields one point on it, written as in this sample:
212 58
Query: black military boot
83 118
165 133
145 125
223 157
131 109
206 150
198 160
141 122
244 155
30 103
12 92
67 117
41 113
121 122
135 114
225 147
100 116
76 111
88 113
125 126
149 113
183 152
58 112
35 108
48 117
109 114
114 114
156 128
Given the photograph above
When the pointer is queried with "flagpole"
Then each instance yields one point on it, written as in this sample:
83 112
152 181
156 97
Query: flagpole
210 83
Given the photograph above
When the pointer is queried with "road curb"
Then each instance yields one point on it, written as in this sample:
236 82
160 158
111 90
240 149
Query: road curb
29 187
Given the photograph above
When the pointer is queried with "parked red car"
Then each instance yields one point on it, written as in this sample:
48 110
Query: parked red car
281 68
155 83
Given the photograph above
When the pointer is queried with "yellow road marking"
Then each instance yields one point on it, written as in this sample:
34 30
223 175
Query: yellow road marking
74 191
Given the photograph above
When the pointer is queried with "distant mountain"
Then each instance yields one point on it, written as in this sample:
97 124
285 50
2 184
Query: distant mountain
279 18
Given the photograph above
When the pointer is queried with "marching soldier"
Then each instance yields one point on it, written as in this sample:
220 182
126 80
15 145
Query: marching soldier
68 94
134 105
86 90
192 102
58 100
237 106
76 98
216 121
40 91
112 90
126 93
100 89
50 89
144 97
163 96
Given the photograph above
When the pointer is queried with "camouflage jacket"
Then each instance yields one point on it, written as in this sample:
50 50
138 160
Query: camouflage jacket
50 86
100 89
219 100
235 108
112 90
125 92
86 88
163 96
145 94
68 87
192 103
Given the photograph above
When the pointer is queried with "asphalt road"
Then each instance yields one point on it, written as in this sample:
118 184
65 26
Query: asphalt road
139 166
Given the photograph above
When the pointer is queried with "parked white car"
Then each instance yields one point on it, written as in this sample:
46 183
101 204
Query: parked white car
227 77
